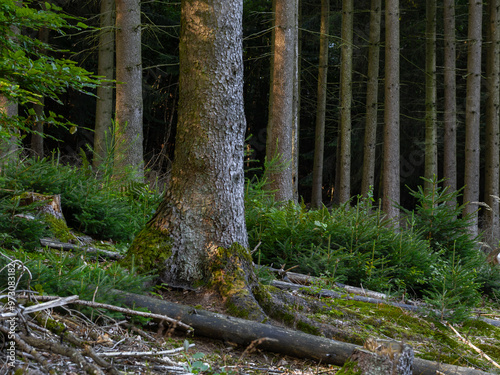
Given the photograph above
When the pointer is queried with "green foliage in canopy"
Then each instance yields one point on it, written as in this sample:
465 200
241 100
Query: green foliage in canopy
30 68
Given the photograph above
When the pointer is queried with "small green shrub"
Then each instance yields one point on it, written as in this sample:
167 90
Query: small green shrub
441 223
454 290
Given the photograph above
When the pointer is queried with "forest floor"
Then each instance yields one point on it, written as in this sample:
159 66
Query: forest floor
65 341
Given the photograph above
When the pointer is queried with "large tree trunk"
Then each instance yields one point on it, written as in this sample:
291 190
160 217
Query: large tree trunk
279 144
319 144
450 99
198 235
491 189
391 188
370 140
129 107
9 147
344 188
431 169
472 114
104 104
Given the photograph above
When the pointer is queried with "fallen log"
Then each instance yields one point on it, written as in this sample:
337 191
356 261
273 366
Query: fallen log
271 338
89 249
298 278
332 294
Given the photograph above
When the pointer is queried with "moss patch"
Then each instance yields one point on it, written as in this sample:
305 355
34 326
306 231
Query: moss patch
59 228
349 368
149 250
230 272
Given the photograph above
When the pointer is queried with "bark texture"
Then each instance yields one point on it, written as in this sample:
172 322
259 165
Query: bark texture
104 104
344 188
129 107
319 144
492 162
472 114
370 140
450 100
391 177
296 102
431 162
279 143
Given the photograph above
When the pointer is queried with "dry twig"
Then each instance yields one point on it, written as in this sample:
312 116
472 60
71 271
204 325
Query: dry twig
467 342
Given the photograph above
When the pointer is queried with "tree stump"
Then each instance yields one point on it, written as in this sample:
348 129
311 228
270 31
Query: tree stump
51 204
383 357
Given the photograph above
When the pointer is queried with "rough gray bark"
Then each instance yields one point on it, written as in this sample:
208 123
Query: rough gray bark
492 162
344 188
391 178
472 114
383 357
319 146
431 162
279 143
370 140
203 208
450 100
104 103
129 107
296 104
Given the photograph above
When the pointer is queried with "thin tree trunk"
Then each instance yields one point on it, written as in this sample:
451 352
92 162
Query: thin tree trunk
430 95
450 99
472 115
279 130
370 141
104 104
391 178
491 189
37 135
346 101
319 147
129 107
296 105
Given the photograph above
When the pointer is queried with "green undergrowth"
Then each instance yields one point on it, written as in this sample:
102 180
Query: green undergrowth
93 201
51 272
430 256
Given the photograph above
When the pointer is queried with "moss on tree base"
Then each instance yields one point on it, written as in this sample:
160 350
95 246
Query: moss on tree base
149 251
232 276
